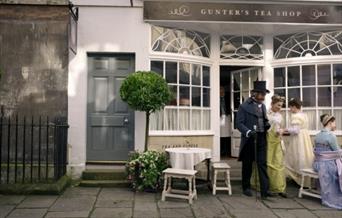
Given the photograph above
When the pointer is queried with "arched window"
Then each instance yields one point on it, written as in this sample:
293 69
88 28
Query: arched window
180 41
241 47
308 44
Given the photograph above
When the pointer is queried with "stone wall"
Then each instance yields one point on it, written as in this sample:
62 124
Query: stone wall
34 59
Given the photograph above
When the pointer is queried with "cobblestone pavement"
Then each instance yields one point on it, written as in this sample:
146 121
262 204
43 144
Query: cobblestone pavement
121 203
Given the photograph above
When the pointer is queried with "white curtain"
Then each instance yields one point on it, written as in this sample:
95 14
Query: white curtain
184 119
206 119
311 114
196 120
156 120
338 117
170 119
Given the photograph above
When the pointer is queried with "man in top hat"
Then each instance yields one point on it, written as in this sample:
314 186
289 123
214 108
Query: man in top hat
252 122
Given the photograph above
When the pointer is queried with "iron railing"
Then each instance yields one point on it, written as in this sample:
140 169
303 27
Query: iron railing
32 149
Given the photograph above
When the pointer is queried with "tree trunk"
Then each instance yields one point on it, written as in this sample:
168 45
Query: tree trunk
147 128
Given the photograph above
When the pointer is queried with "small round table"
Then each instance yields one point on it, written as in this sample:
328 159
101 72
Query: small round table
187 158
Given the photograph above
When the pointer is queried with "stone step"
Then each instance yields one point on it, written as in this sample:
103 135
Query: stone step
105 183
104 174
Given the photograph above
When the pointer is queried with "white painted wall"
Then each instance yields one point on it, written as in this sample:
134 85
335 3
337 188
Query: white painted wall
102 29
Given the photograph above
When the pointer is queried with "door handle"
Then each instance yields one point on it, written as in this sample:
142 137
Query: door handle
125 120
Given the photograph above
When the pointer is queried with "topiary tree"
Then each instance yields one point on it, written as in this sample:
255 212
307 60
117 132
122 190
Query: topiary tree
145 91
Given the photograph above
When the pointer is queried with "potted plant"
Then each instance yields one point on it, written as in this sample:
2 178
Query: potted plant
145 91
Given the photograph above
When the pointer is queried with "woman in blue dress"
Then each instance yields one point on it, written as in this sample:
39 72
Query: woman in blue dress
328 163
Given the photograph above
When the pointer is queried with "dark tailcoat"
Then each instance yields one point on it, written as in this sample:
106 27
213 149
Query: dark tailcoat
245 120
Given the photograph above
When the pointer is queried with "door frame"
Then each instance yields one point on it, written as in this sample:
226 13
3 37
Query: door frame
235 134
131 55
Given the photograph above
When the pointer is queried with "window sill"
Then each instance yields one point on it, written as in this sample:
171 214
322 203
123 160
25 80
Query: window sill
181 133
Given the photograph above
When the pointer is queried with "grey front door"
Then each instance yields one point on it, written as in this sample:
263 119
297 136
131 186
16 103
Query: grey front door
110 130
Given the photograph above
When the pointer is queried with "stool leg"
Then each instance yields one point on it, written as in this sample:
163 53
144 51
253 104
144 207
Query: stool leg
190 190
214 185
165 185
169 184
301 187
195 190
228 182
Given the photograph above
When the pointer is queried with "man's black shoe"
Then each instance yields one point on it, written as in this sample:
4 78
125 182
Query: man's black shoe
248 192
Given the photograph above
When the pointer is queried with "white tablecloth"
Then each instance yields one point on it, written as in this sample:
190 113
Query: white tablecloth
187 158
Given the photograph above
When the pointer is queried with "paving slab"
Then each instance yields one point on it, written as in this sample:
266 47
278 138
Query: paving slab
241 203
82 203
208 206
176 213
145 214
254 213
78 191
5 209
108 202
311 203
112 213
326 214
69 214
173 203
298 213
27 213
282 203
116 193
38 201
11 199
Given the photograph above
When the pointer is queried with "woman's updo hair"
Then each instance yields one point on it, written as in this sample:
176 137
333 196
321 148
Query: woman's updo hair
295 103
277 98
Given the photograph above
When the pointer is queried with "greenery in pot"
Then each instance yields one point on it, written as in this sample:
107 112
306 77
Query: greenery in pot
145 91
145 169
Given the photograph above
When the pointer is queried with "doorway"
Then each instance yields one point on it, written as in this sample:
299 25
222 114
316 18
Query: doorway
236 82
110 122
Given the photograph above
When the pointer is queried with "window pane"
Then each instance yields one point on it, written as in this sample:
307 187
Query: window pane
184 96
254 76
309 97
245 96
174 95
206 76
157 120
337 96
196 120
337 74
184 119
293 76
324 96
170 119
206 119
279 77
293 93
338 117
206 97
184 73
281 92
171 72
196 96
196 74
236 79
323 75
245 82
157 66
311 114
308 75
236 96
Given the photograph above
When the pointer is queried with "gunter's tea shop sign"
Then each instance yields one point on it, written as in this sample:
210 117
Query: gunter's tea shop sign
230 12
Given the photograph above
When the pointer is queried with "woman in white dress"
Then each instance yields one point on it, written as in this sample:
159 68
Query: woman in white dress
299 152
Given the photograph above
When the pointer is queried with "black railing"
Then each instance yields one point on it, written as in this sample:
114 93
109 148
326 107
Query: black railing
32 149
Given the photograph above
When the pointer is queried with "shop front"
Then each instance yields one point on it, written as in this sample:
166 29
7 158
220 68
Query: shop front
210 54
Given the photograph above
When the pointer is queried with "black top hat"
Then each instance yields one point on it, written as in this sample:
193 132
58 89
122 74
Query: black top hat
260 86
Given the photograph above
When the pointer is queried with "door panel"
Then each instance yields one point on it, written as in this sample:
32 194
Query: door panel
242 83
110 130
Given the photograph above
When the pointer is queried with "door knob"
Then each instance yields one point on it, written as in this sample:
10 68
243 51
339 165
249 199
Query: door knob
125 120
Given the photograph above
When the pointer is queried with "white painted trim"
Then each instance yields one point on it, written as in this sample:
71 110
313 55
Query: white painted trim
180 133
232 62
307 60
180 57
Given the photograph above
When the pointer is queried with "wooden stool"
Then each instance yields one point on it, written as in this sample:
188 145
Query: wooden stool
189 175
308 191
224 168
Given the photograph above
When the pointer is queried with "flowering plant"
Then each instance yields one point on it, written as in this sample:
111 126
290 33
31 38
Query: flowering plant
145 169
